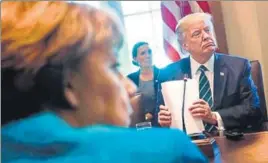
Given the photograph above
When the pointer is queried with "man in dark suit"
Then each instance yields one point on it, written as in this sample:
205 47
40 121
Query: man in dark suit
228 96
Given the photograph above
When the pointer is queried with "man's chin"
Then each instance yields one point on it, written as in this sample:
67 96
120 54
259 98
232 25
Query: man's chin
210 50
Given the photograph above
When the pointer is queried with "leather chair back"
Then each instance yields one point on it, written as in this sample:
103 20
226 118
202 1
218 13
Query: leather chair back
256 73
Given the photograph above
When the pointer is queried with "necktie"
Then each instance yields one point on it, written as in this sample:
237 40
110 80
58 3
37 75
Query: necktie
205 93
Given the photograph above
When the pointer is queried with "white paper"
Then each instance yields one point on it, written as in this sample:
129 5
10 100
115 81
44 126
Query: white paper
173 95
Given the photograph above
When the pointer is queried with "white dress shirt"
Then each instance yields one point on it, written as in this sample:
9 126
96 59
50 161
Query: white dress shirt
210 75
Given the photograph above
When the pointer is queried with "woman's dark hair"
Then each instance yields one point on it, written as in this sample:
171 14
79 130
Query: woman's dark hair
16 103
135 50
47 92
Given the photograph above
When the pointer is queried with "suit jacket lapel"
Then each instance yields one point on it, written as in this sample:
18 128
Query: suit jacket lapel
220 78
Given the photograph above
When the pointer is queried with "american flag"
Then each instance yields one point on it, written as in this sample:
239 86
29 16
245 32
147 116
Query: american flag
172 12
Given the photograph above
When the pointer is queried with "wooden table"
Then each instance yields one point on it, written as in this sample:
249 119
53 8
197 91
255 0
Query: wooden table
252 148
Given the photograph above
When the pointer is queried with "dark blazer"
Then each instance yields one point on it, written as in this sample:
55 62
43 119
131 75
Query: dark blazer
235 95
135 77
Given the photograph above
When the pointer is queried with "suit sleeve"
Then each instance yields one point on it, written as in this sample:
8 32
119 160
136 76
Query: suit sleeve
159 96
248 111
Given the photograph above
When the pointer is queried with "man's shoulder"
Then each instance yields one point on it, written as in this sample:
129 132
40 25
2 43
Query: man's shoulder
232 62
230 59
175 65
173 68
133 74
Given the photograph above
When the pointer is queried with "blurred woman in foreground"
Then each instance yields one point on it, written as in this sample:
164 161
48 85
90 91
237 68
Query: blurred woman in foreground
63 99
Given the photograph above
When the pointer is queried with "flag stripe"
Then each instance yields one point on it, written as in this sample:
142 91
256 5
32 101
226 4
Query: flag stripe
171 52
168 18
185 8
204 6
171 37
173 8
195 7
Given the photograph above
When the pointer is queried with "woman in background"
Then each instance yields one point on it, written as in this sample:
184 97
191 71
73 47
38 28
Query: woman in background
63 98
145 79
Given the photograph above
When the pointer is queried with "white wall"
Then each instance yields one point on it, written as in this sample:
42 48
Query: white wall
124 56
125 60
246 25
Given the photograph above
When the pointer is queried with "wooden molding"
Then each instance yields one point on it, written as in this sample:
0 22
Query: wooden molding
216 11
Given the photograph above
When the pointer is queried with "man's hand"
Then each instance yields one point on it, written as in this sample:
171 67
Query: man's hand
164 116
201 109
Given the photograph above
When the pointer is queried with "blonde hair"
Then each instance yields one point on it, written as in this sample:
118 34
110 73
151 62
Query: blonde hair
184 23
40 32
33 32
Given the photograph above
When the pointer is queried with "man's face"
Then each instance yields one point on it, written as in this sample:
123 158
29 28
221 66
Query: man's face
199 39
101 92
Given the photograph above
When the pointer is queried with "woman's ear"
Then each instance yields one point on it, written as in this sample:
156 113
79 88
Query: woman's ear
70 90
135 62
71 96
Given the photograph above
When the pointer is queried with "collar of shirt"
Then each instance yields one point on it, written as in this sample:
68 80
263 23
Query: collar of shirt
195 65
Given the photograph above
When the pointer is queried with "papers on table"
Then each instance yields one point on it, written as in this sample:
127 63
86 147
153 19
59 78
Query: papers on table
173 97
